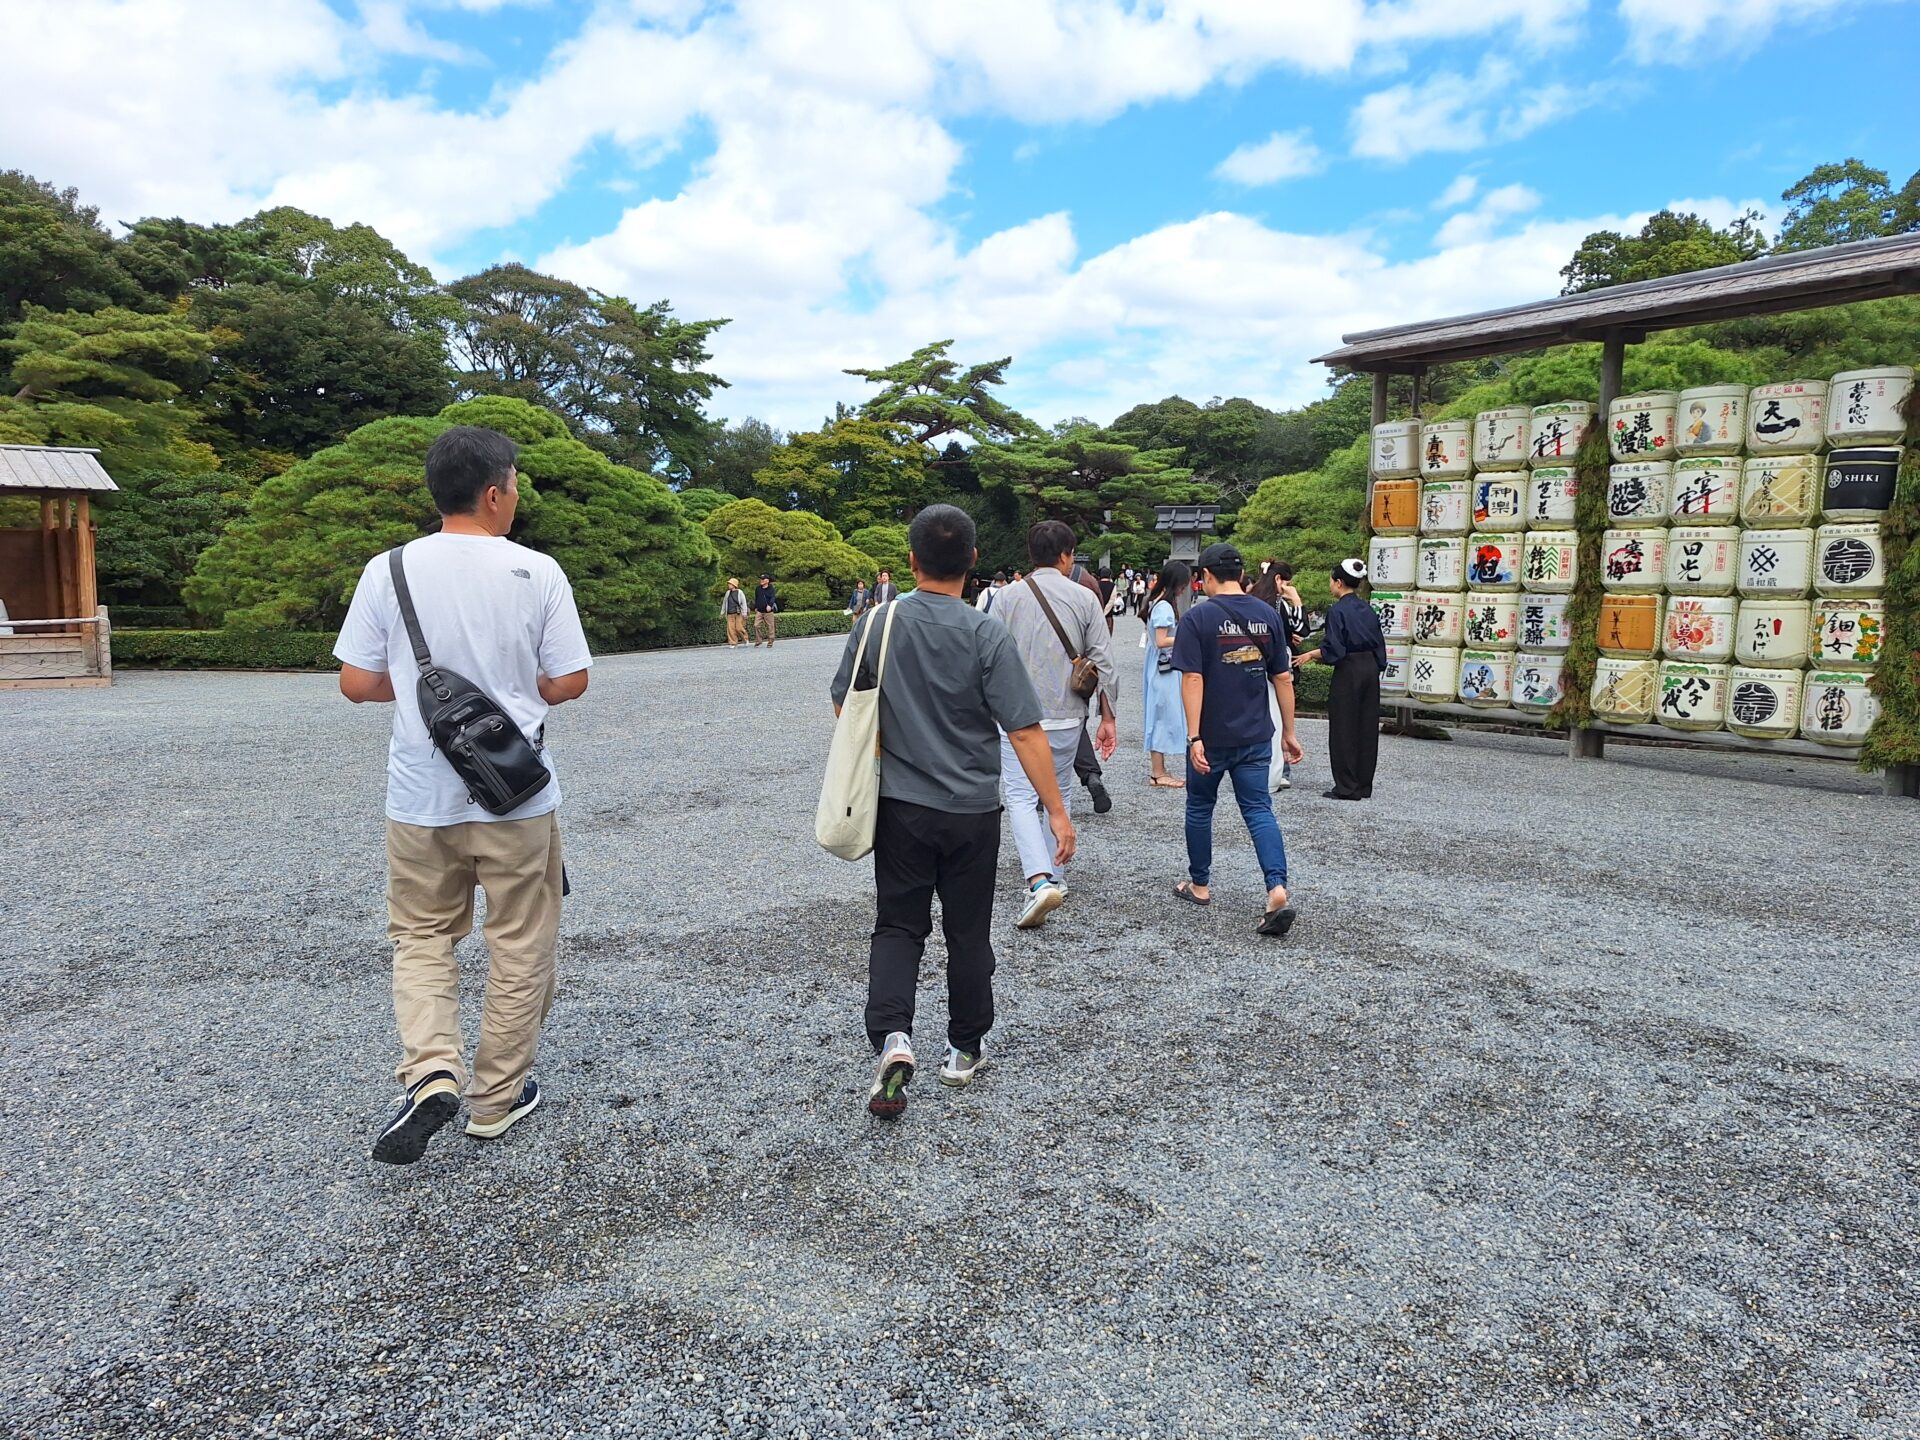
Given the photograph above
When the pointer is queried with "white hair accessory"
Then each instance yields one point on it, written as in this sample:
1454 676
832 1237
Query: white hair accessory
1354 570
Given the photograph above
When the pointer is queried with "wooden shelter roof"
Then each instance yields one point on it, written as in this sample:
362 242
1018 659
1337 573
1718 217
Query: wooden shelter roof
1801 280
52 467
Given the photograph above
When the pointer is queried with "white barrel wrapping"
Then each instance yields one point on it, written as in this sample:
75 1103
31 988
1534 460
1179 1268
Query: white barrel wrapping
1633 561
1692 696
1776 562
1536 679
1639 493
1555 432
1863 406
1500 439
1788 418
1713 420
1762 702
1836 707
1700 628
1779 489
1772 634
1849 559
1641 427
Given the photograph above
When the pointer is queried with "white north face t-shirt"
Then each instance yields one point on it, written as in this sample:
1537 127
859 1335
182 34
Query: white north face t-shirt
496 612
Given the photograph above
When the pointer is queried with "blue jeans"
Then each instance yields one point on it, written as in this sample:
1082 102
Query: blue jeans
1249 765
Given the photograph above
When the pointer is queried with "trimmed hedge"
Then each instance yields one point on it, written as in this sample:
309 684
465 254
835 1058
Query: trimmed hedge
135 649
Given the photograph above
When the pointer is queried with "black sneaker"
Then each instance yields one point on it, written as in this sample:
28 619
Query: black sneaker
428 1104
1102 801
523 1105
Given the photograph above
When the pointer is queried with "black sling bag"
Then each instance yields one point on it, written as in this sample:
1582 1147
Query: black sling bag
502 770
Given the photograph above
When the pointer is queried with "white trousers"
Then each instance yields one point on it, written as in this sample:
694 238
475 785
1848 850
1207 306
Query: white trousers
1031 835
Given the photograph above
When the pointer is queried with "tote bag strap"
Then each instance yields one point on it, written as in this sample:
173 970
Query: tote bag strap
866 634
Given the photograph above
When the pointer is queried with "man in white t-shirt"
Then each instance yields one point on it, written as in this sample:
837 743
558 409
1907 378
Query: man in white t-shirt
502 616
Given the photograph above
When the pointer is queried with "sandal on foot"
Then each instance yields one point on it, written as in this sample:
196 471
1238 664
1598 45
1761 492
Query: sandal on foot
1277 922
1185 891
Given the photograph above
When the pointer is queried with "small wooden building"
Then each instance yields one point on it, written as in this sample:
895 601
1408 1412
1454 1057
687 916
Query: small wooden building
54 633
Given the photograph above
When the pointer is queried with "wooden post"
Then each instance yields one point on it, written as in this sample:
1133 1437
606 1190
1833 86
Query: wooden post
1379 397
1583 744
1901 780
86 575
1402 714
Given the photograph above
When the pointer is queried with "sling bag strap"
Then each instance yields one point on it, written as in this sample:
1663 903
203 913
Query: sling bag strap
1083 679
421 656
1033 584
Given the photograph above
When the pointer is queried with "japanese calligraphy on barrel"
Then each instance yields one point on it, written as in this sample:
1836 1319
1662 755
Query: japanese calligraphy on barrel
1623 690
1437 616
1847 633
1706 490
1500 439
1771 633
1442 564
1713 420
1864 406
1486 677
1638 493
1641 427
1392 560
1549 560
1849 560
1396 507
1554 432
1446 449
1543 622
1433 674
1629 625
1493 561
1552 491
1536 679
1633 560
1776 562
1699 627
1692 696
1490 622
1395 451
1836 707
1778 489
1444 506
1702 560
1395 611
1763 703
1393 679
1859 484
1500 500
1788 418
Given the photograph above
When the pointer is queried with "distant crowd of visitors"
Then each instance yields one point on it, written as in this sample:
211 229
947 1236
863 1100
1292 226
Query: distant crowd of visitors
984 694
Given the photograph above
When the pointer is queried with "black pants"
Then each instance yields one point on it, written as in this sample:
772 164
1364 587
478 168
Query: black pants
1086 764
1353 724
917 852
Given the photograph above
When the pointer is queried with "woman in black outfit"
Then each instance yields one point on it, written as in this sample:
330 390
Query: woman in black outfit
1357 651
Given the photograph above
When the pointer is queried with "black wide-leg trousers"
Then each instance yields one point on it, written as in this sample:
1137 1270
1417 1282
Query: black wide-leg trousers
1353 724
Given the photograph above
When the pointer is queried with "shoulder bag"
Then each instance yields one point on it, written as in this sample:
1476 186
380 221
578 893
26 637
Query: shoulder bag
502 770
1085 679
850 793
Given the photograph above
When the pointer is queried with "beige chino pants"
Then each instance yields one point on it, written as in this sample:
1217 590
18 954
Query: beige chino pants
431 874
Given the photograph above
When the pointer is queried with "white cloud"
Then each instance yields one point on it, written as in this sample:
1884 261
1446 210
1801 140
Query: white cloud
1484 219
389 29
1463 189
1278 157
1451 111
1674 30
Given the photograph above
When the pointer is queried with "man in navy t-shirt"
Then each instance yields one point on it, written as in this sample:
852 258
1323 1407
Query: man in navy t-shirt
1229 652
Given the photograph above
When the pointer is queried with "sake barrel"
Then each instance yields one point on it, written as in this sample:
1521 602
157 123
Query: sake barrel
1702 560
1638 493
1543 622
1552 491
1536 679
1692 696
1443 564
1500 500
1395 453
1775 562
1490 622
1788 418
1549 560
1849 560
1713 420
1630 625
1771 633
1493 561
1554 432
1863 406
1446 449
1437 617
1394 609
1633 560
1392 560
1486 677
1396 507
1444 506
1500 439
1624 690
1641 427
1393 679
1859 483
1699 627
1706 490
1836 707
1779 489
1763 703
1847 632
1433 674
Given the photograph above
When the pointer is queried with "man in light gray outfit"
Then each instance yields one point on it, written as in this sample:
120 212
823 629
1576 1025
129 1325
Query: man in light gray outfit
1024 610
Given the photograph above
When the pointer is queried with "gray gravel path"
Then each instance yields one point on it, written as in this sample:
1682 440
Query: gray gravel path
1580 1103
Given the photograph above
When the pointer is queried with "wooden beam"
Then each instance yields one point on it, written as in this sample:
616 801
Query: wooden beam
88 576
1379 397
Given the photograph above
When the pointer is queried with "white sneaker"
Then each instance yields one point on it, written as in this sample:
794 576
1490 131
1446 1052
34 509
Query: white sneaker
960 1067
887 1097
1042 901
1283 783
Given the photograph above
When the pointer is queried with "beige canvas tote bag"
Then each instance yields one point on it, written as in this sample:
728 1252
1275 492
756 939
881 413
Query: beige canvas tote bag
850 793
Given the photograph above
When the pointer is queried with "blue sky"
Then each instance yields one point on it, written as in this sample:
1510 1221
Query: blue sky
1194 196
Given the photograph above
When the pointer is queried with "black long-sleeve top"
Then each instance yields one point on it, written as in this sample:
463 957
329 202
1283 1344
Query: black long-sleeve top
764 598
1353 629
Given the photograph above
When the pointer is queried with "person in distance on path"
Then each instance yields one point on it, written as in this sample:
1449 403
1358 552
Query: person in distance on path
733 608
1357 650
766 605
885 592
1048 604
1230 652
503 617
954 684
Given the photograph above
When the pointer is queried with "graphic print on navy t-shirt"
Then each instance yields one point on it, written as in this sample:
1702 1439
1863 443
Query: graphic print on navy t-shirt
1230 642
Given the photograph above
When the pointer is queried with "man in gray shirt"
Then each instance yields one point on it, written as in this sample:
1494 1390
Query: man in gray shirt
1052 619
954 683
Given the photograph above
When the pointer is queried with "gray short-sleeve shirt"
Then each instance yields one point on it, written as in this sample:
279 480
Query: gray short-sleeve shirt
954 680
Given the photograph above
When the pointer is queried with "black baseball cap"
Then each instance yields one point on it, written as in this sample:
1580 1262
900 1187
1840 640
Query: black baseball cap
1222 560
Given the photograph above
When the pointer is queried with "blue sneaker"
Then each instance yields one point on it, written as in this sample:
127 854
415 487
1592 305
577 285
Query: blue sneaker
523 1105
429 1103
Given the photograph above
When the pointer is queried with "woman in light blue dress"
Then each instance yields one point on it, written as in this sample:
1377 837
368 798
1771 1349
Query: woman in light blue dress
1166 718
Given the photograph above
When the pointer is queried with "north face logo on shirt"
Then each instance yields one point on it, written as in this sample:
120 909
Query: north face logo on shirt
524 575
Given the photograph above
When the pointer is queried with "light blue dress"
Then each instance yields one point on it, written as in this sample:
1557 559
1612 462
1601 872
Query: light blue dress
1166 719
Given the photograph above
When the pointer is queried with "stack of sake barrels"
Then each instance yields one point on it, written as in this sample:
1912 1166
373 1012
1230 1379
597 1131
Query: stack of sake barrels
1742 566
1474 553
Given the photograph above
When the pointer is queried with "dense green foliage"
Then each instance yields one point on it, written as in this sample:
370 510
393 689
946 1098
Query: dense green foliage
1575 706
813 567
1895 738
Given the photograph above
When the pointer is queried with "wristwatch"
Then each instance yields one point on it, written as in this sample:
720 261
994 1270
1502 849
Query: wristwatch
1192 740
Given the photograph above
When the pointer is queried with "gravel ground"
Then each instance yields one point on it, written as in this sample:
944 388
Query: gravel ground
1580 1103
